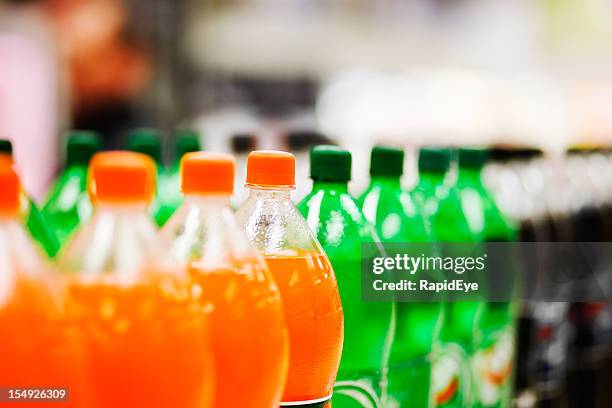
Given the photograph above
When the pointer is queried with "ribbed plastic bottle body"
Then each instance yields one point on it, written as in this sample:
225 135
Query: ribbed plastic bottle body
308 287
145 341
68 204
397 220
247 327
341 229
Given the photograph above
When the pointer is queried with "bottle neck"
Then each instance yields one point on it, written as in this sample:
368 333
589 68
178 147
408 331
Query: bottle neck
76 166
386 181
123 207
208 200
338 186
432 178
469 175
277 192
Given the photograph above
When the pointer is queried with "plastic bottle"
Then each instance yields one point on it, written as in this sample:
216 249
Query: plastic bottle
30 214
397 220
495 340
36 348
248 331
145 340
68 203
303 273
149 141
341 229
439 202
185 141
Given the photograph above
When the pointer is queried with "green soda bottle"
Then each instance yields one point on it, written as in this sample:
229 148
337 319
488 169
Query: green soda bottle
494 342
439 202
396 218
149 141
341 228
68 204
31 215
185 141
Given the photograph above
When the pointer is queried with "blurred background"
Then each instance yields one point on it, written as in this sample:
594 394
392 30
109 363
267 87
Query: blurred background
287 74
532 77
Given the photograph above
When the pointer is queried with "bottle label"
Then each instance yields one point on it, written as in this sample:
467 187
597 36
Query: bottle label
450 376
493 367
314 403
358 393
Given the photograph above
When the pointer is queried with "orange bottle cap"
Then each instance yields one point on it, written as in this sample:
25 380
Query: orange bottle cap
9 189
271 168
206 172
122 177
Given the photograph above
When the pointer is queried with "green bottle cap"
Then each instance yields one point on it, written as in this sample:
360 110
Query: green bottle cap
434 159
6 146
386 161
147 141
186 141
81 146
330 163
472 157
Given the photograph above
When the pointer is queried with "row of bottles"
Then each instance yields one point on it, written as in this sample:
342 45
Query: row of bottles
192 316
68 204
563 346
267 301
453 354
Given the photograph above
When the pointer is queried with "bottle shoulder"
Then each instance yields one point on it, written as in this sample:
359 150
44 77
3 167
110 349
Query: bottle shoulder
210 236
336 219
483 214
67 191
274 225
115 243
17 251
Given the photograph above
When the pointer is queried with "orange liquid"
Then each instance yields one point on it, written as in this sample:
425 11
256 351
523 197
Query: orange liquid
315 321
37 348
248 335
145 344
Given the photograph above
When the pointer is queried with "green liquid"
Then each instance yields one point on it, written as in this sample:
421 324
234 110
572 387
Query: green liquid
494 343
396 218
441 207
340 227
68 204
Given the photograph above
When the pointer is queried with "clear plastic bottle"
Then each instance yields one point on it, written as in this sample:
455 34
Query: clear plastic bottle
303 273
36 346
247 325
144 338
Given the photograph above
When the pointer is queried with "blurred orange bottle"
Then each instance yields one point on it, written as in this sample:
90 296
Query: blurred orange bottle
35 342
144 338
303 274
247 326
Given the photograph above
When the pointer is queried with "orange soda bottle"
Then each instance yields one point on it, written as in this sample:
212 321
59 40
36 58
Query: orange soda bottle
247 327
144 337
35 344
303 273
